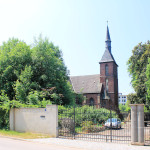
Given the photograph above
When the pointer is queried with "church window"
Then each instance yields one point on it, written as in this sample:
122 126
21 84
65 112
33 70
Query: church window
91 102
106 70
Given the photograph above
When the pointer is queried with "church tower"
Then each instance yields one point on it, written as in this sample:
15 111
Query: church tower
109 76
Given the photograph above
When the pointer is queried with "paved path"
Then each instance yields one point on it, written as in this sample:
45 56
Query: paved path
90 145
12 144
63 144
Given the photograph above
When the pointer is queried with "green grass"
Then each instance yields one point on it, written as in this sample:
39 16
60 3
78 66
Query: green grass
26 135
78 129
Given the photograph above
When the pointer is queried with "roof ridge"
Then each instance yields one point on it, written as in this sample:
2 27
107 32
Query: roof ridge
84 75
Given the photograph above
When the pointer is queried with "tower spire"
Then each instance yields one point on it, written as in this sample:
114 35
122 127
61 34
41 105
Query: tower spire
107 56
108 40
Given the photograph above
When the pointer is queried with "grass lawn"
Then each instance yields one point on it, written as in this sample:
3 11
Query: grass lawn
26 135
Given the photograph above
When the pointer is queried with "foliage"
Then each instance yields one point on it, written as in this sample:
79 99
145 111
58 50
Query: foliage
87 126
32 76
6 105
137 67
147 109
99 128
4 119
148 84
132 98
22 85
85 113
124 108
25 71
79 98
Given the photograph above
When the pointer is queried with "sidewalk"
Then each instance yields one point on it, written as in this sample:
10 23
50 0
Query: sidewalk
89 145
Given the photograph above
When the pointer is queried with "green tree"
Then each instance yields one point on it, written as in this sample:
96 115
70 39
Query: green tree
49 71
132 98
27 73
22 85
148 83
14 55
137 65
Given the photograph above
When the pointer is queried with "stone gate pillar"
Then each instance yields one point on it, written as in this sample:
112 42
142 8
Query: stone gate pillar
137 124
134 129
140 114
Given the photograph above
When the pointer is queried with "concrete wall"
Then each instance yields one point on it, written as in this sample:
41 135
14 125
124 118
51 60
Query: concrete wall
36 120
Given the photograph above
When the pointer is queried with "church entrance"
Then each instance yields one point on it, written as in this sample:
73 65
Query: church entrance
91 122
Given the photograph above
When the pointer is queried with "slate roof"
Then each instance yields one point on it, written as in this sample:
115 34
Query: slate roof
107 57
86 84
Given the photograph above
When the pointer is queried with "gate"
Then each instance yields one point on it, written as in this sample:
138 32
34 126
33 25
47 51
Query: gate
93 123
147 128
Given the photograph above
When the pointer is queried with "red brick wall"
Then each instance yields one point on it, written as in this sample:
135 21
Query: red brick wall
94 96
112 82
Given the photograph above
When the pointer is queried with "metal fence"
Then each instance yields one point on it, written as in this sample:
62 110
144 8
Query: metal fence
147 128
94 123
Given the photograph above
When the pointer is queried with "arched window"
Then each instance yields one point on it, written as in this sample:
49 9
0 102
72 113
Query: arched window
106 70
91 102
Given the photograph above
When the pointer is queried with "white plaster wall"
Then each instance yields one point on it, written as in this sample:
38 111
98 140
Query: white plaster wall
37 120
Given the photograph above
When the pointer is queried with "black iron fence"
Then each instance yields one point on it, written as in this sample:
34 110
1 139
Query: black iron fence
94 123
147 128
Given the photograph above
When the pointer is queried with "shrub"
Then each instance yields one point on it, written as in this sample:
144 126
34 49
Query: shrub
96 128
6 105
85 113
87 126
4 119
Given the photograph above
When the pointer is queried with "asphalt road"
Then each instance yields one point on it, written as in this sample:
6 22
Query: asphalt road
12 144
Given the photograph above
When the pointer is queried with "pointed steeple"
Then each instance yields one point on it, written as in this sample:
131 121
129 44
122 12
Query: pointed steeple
107 56
107 34
108 40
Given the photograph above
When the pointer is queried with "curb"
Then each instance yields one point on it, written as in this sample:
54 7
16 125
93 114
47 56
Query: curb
14 138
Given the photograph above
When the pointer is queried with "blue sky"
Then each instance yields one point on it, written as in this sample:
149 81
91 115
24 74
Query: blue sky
78 27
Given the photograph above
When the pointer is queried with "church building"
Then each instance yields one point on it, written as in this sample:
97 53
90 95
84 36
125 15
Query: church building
100 89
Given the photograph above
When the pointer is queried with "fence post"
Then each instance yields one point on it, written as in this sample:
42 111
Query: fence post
137 124
52 110
12 119
74 122
134 130
110 124
140 114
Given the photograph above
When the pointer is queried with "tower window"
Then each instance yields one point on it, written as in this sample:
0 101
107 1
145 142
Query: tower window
106 70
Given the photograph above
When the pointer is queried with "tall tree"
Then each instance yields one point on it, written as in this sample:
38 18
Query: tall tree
148 83
137 65
14 56
37 71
